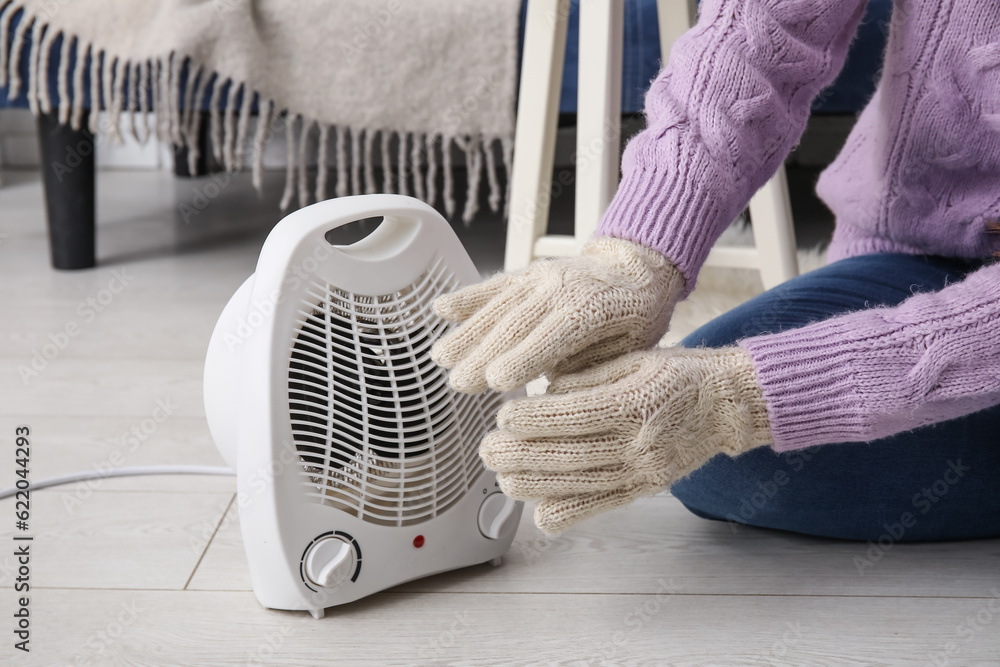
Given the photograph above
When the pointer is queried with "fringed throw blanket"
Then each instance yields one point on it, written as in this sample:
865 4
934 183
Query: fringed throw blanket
404 82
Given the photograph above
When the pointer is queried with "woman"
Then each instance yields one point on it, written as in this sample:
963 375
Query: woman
885 363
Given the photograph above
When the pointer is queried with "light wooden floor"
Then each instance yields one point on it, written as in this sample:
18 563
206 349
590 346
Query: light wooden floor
151 570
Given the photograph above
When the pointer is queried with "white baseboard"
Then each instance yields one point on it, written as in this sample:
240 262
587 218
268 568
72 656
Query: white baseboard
19 146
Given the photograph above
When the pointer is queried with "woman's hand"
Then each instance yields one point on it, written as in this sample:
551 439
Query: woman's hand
558 315
601 438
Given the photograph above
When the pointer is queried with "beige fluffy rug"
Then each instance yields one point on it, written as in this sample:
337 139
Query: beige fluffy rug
719 290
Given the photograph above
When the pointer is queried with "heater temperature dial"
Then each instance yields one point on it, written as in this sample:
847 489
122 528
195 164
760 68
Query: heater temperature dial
496 515
330 562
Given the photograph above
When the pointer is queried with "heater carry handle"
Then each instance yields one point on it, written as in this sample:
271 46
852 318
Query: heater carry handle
345 210
302 231
396 253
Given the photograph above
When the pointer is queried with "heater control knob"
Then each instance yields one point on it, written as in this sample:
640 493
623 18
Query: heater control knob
496 515
330 562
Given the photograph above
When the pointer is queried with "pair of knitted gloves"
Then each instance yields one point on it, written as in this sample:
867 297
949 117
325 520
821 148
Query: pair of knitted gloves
620 418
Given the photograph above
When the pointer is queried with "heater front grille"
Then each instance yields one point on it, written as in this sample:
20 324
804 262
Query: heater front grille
378 431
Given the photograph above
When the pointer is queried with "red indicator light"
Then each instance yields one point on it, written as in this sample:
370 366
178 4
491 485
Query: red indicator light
418 541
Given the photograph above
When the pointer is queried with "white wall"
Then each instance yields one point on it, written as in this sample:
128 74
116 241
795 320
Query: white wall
19 146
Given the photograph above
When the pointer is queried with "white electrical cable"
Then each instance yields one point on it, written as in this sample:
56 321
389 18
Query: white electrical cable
118 472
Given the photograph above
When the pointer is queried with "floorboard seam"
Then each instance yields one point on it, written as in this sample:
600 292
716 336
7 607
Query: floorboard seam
210 540
594 594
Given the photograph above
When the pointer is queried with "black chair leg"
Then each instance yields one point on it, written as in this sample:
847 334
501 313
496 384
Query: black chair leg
68 172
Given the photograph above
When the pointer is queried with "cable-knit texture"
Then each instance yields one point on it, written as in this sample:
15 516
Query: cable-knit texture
722 116
881 371
600 438
557 316
918 174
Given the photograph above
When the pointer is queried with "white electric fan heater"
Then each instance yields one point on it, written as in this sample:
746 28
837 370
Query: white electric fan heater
357 465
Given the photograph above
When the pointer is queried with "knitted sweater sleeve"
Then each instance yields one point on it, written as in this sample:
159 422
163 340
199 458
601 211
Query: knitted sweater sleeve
874 373
721 117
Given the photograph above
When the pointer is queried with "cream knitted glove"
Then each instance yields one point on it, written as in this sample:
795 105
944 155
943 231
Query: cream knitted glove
601 438
557 315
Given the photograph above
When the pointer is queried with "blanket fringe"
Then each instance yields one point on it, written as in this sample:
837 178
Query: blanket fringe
144 93
402 164
341 162
7 12
177 87
33 57
95 91
355 162
76 116
187 111
321 166
155 78
384 139
62 81
430 143
449 180
507 146
174 99
303 162
132 98
246 103
416 162
194 120
474 161
369 167
16 44
117 99
44 99
260 139
214 119
229 129
286 197
106 70
491 176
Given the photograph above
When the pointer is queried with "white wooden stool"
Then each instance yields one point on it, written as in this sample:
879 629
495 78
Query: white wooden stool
598 139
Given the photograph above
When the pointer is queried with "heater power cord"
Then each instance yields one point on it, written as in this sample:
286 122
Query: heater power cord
128 471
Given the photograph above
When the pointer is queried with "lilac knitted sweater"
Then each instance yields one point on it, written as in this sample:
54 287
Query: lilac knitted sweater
920 173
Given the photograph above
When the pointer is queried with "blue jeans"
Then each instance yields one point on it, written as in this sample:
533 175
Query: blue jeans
939 482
